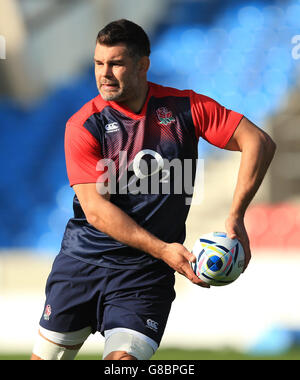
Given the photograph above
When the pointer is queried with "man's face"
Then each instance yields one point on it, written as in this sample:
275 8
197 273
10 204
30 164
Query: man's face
116 73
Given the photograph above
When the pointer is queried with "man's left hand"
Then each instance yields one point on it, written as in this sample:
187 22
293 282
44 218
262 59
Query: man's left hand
235 229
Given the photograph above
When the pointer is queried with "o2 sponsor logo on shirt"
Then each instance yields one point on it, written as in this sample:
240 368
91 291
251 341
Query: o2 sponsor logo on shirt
150 173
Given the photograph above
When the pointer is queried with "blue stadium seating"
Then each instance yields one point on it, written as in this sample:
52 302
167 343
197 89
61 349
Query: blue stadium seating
33 170
238 52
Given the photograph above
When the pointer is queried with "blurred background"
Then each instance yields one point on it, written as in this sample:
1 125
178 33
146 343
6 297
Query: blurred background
245 55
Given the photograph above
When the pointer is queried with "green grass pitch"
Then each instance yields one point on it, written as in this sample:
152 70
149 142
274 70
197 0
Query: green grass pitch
179 354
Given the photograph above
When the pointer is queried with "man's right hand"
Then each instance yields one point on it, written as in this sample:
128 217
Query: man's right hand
179 258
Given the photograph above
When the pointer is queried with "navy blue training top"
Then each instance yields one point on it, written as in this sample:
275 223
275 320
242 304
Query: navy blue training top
149 159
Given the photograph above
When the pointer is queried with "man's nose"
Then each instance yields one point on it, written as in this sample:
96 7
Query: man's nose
107 71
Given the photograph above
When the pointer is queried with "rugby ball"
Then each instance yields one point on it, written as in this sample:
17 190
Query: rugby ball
219 259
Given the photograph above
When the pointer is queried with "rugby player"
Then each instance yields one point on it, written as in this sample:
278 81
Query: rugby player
115 270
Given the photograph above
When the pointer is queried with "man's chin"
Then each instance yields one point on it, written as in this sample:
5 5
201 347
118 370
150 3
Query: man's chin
110 96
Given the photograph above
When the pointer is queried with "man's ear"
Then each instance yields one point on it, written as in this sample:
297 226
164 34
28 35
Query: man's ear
144 64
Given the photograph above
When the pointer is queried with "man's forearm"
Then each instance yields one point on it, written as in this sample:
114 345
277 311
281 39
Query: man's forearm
117 224
255 160
111 220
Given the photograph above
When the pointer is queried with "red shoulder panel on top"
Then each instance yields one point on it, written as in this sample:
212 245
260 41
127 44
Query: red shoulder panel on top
82 152
212 121
82 149
95 105
161 91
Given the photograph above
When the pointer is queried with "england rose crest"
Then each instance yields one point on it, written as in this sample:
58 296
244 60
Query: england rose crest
165 116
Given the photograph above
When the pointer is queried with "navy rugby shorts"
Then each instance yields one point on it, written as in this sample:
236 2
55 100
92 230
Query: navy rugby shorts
79 294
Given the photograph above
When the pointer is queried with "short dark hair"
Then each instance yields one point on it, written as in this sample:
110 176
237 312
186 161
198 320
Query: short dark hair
127 32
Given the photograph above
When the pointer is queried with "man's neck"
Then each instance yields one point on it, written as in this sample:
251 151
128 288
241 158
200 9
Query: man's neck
136 105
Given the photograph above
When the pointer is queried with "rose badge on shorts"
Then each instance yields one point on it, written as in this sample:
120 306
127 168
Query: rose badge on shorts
47 312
